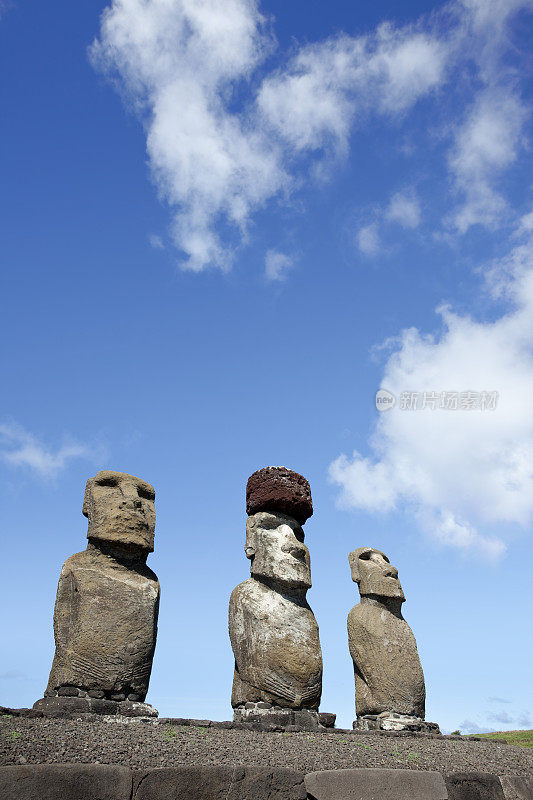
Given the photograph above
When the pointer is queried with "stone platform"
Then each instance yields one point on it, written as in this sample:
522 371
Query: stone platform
266 713
110 782
59 706
390 721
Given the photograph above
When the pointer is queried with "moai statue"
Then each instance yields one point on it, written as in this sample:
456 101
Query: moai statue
274 634
105 618
389 683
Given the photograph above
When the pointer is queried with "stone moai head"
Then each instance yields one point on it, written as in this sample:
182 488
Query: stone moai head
374 574
120 509
278 502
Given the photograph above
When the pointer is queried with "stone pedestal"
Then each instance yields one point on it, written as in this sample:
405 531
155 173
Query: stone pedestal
60 705
390 721
268 714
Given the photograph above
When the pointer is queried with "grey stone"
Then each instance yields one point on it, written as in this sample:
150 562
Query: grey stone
118 696
326 719
68 691
97 693
130 709
388 673
474 786
134 697
111 651
375 784
274 634
517 787
219 783
68 706
65 782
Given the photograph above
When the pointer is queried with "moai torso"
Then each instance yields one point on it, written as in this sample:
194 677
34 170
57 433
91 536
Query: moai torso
273 631
277 650
388 673
105 617
105 624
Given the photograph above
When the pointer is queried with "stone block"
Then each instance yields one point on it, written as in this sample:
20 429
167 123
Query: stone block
326 719
375 784
66 706
219 783
474 786
65 782
517 788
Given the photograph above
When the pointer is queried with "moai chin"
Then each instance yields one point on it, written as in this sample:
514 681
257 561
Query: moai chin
274 634
389 683
105 617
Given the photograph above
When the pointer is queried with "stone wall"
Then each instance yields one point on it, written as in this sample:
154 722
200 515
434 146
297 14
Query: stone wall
109 782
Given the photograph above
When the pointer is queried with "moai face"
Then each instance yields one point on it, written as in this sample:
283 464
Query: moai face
120 509
374 574
274 543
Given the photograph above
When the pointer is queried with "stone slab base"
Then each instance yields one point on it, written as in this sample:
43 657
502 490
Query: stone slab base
65 706
390 721
267 714
111 782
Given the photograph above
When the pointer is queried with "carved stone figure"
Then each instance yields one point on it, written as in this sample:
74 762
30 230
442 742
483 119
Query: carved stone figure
274 634
389 682
105 618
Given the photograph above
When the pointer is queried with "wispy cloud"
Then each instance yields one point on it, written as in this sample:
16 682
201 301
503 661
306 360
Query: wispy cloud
460 473
403 209
277 265
498 700
19 448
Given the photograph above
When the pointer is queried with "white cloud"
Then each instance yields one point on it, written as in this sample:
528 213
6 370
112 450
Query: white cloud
224 135
502 717
488 141
404 208
276 265
368 239
313 102
19 448
468 726
460 473
180 60
156 241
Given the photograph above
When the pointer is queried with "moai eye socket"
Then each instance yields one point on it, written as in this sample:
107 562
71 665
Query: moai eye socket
146 494
107 482
298 532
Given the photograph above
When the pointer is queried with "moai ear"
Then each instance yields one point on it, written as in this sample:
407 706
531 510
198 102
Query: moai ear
353 560
87 498
250 546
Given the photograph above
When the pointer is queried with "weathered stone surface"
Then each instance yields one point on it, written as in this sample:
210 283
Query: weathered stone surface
279 489
474 786
326 719
273 631
375 784
517 788
110 651
65 782
388 673
219 783
394 722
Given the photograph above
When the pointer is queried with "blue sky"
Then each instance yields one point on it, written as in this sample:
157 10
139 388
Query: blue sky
224 227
